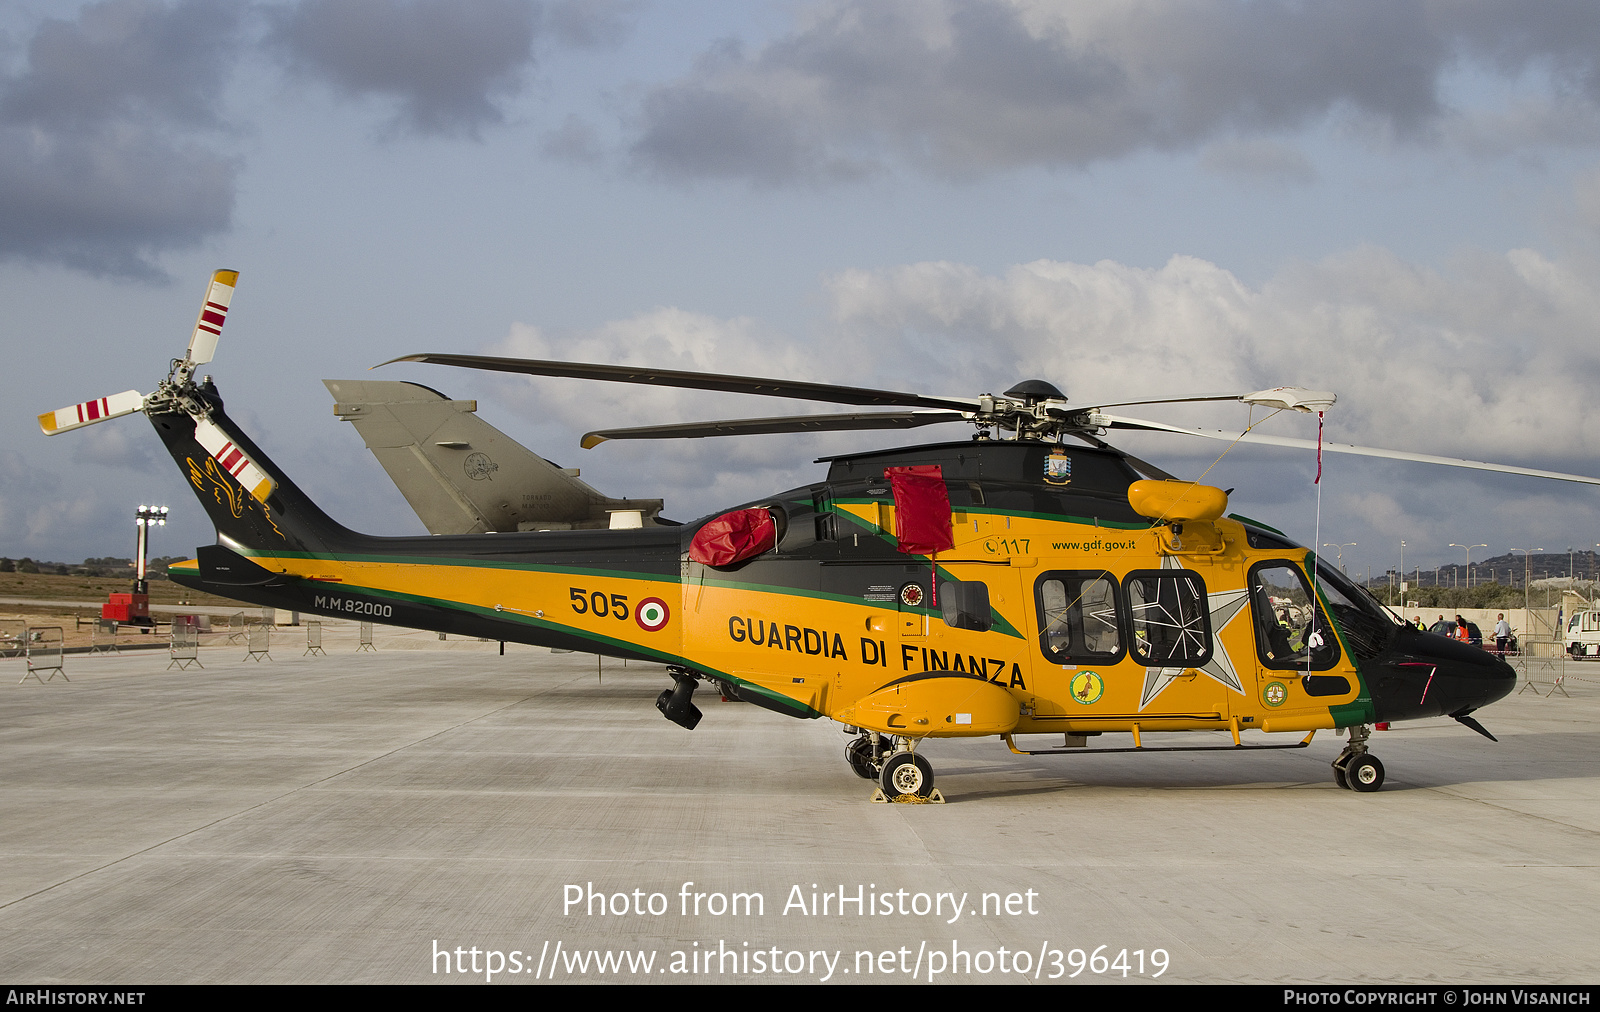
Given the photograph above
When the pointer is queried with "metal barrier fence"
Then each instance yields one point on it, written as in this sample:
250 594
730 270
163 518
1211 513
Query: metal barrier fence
258 640
314 639
366 638
46 650
103 637
13 635
1554 671
184 646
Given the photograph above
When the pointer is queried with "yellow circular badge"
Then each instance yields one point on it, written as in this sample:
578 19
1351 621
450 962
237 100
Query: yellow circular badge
1275 693
1087 687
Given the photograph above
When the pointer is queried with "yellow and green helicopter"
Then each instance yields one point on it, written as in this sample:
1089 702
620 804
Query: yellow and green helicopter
1029 580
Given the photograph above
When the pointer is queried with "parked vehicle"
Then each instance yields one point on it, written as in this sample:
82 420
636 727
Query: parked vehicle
1448 629
1583 633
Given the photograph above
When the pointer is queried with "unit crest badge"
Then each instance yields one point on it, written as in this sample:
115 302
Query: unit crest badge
1058 467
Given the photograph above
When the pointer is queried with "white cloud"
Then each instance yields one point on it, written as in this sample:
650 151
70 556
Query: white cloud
1487 360
1495 354
695 475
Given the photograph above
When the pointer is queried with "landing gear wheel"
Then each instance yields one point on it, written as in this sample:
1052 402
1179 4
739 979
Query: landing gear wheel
1339 777
859 755
1364 773
906 773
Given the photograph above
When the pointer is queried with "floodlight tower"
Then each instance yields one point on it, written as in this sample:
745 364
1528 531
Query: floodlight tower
134 608
146 518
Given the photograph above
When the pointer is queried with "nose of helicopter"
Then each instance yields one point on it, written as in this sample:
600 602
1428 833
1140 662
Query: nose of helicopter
1426 675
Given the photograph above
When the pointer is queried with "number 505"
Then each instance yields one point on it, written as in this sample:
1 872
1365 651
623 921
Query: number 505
584 602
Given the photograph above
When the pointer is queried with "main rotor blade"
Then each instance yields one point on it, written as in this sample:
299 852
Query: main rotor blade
1282 398
784 423
1165 400
213 314
1118 422
78 415
793 389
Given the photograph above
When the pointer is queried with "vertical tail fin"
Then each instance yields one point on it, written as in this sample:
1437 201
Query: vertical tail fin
247 497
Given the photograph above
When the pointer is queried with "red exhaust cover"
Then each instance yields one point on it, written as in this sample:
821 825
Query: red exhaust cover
734 537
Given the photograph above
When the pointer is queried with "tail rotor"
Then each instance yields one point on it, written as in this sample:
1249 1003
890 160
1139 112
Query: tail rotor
177 393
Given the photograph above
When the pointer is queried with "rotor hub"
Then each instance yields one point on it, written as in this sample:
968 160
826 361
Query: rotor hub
1031 392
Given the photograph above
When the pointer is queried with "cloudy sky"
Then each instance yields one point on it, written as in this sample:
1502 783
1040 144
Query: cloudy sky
1398 200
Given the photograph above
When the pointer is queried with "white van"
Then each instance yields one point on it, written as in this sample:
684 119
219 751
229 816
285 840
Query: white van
1583 633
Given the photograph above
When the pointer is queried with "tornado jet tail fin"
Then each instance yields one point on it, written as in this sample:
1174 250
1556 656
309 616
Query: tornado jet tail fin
464 476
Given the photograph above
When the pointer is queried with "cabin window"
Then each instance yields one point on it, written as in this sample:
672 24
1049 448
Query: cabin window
1078 617
965 605
1291 630
1168 617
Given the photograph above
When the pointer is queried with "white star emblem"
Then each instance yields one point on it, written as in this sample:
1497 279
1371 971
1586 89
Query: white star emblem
1225 606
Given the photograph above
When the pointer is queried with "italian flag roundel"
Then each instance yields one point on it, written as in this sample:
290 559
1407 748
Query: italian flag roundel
651 614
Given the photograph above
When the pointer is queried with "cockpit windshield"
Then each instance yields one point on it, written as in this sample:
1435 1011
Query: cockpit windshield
1367 627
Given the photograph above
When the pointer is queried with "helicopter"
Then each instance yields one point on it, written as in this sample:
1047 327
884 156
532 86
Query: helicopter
1005 585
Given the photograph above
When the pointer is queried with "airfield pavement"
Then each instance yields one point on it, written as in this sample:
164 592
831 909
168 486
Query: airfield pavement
347 818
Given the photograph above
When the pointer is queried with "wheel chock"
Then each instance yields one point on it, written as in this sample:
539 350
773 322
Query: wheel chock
880 798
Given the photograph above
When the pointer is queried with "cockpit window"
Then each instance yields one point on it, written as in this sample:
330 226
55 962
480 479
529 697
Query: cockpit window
1291 630
1367 627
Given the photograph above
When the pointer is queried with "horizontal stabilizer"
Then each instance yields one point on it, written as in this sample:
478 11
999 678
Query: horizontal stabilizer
89 412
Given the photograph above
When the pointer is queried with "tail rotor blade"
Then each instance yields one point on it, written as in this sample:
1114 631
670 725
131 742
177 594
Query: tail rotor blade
233 459
89 412
208 327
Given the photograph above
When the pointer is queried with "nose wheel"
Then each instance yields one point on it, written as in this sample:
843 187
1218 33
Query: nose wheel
1364 774
1357 769
906 774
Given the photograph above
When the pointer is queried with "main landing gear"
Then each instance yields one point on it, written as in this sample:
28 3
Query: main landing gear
902 775
1356 768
